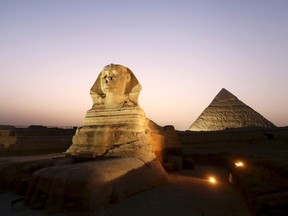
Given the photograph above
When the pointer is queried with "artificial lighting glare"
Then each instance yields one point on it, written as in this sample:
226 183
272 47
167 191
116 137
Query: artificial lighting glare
239 164
212 180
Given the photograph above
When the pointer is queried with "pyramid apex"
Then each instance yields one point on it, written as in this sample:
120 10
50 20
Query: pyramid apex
224 94
227 111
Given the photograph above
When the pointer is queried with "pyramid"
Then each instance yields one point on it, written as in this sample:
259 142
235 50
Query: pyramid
227 111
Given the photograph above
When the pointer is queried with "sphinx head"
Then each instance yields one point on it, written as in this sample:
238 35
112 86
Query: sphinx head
115 87
114 80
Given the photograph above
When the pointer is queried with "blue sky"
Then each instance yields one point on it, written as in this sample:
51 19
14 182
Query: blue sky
182 52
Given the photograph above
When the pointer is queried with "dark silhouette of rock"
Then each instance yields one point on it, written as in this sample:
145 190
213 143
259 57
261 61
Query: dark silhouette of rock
34 139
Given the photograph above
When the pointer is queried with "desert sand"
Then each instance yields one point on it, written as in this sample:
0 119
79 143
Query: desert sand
187 192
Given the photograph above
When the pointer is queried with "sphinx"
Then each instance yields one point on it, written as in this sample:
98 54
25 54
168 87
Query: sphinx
116 125
115 154
115 87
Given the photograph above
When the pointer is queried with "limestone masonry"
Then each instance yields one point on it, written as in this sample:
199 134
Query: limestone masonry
116 125
227 111
113 153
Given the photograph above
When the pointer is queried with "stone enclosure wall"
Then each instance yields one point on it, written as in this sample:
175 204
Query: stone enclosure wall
35 139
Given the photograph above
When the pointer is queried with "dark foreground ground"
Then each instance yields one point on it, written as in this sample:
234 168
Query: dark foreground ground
187 192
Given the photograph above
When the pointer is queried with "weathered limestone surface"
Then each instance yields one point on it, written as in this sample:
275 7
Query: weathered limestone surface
118 140
84 188
227 111
16 172
34 139
116 125
113 132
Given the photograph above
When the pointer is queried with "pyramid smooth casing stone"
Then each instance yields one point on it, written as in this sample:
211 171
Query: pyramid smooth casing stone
227 111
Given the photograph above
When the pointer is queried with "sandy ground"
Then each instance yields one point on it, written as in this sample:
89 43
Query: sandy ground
29 158
187 193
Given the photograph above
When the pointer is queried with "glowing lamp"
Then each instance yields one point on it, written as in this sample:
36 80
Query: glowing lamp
212 180
239 164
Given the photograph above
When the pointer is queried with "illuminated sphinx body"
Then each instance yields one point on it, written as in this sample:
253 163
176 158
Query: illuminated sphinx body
116 125
115 129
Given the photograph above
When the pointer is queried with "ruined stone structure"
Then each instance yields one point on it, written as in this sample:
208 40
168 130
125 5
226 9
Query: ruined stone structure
227 111
37 139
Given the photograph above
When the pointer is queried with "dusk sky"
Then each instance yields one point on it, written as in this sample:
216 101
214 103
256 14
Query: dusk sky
183 52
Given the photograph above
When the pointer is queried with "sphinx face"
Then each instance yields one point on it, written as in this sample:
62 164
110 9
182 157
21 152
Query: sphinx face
113 82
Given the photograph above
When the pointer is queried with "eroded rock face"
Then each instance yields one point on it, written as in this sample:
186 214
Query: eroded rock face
119 143
34 139
116 125
227 111
115 87
84 188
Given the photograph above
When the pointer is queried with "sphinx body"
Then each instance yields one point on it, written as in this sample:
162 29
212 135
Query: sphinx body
118 137
115 125
122 144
